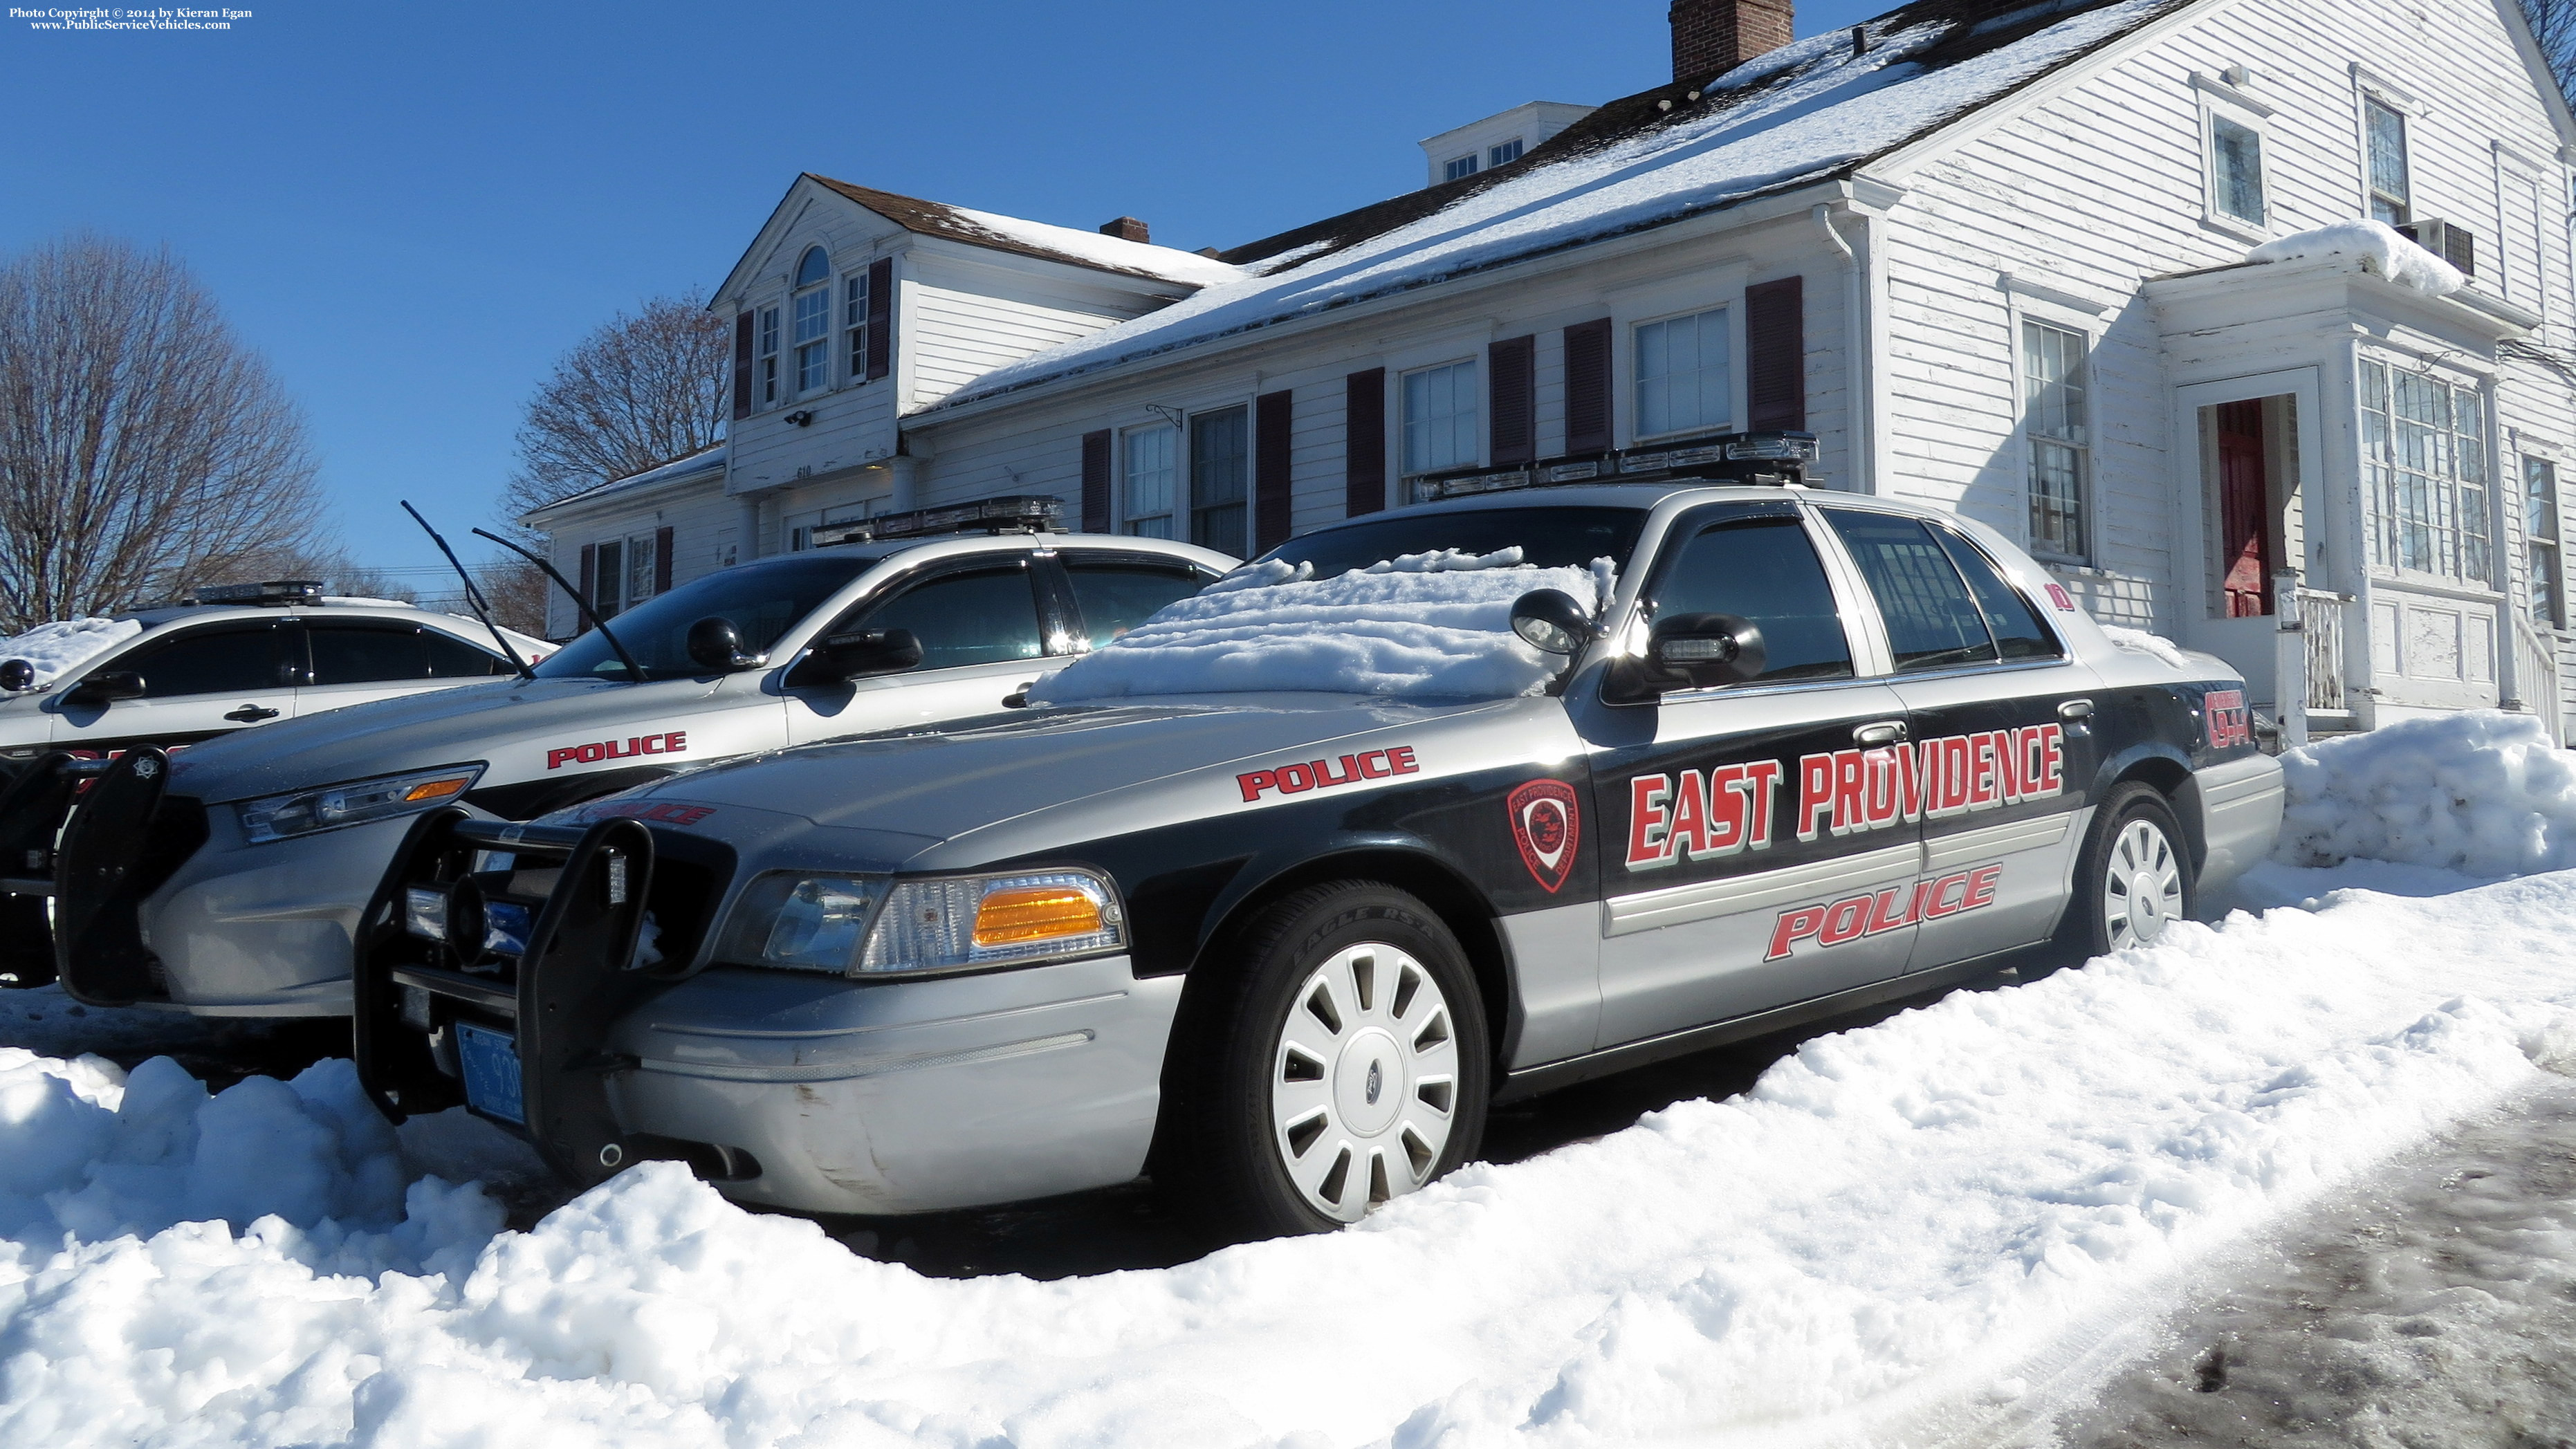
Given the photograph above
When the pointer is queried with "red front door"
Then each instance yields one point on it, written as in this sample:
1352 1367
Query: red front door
2246 547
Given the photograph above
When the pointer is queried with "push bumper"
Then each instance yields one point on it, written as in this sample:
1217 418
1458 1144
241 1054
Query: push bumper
32 811
785 1089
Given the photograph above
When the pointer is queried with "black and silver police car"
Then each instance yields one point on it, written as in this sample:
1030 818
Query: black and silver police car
1815 751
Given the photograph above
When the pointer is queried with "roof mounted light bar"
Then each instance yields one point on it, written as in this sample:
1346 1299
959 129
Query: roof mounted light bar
274 591
1018 513
1768 458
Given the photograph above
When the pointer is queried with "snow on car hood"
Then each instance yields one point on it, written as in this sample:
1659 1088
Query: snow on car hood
1423 626
440 727
58 648
979 772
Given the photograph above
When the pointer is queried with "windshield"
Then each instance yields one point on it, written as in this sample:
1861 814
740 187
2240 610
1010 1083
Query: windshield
761 599
1548 538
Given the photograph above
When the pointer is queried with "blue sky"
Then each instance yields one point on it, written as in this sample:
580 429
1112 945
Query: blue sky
412 210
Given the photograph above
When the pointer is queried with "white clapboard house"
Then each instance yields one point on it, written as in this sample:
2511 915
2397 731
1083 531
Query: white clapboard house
1997 256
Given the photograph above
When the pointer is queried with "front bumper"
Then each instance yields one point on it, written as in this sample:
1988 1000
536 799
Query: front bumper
785 1089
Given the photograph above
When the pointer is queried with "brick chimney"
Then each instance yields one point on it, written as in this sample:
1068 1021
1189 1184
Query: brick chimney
1712 37
1126 228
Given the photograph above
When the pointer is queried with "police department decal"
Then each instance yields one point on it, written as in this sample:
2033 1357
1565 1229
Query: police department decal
1547 825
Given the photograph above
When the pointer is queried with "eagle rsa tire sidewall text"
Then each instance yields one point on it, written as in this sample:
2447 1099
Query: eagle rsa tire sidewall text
1232 1165
2134 814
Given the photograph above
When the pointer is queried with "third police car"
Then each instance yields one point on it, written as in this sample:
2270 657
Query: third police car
1815 751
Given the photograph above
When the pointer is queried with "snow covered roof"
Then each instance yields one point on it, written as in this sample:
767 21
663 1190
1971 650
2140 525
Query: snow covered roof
1037 239
1812 111
711 457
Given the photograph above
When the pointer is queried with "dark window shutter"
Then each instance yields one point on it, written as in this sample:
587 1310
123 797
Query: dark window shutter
1587 387
662 559
589 577
742 366
1511 367
1775 360
1095 482
1364 442
1273 417
880 318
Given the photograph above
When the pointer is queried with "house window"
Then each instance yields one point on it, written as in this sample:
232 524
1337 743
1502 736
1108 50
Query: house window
2540 536
639 569
608 578
2424 448
854 322
813 322
1220 478
1685 381
767 359
2054 424
2236 170
1462 166
1440 418
2384 133
1153 480
1507 152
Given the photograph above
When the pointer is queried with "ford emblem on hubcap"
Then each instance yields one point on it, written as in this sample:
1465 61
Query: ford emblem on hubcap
1376 1081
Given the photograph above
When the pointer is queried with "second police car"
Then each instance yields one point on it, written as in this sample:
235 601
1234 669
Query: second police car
1283 950
227 880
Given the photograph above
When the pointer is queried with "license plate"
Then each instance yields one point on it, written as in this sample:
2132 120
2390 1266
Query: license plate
491 1062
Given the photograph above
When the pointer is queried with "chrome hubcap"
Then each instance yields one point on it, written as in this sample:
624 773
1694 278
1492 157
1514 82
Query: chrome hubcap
1364 1080
2142 885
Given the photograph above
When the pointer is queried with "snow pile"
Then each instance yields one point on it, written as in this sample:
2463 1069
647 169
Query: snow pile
2376 245
2483 793
2139 641
1801 113
1424 626
58 648
1893 1229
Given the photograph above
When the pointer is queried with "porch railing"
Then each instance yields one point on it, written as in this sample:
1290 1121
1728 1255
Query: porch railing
2320 619
2535 675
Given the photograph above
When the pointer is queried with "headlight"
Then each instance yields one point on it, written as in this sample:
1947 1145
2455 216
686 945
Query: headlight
867 926
333 806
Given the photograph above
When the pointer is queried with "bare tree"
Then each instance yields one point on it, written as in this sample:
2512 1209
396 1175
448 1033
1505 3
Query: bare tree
2553 24
643 389
142 447
516 593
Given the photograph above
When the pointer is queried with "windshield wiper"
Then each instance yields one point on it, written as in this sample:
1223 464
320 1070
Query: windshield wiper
634 671
473 595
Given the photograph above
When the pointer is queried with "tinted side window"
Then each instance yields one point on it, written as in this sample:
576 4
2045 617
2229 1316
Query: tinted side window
983 617
2018 632
210 661
366 653
1932 620
1116 597
453 658
1765 570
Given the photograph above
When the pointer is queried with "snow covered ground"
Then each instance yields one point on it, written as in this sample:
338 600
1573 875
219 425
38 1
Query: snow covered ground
1918 1231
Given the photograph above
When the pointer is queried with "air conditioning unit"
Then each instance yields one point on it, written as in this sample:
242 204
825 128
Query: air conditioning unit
2445 239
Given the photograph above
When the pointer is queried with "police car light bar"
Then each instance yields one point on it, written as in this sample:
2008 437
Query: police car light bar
1757 458
1019 513
274 591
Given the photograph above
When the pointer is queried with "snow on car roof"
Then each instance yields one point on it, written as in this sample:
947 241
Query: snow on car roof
1807 112
1424 626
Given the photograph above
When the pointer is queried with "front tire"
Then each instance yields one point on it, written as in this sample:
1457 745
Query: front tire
1343 1064
2136 878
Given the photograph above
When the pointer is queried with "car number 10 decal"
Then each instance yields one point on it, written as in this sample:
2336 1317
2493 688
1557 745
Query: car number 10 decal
1697 814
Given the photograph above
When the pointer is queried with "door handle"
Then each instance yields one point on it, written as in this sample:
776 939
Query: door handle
1883 732
250 714
2075 709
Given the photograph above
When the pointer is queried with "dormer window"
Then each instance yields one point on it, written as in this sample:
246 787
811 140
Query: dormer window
813 322
1461 166
1505 153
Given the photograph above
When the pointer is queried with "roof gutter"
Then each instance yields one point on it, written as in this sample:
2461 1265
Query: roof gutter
1749 211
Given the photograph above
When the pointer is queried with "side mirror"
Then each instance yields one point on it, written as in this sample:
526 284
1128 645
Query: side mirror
106 687
715 644
840 657
1552 622
1706 651
17 676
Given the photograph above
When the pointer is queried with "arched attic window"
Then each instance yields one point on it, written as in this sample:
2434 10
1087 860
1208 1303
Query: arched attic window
813 322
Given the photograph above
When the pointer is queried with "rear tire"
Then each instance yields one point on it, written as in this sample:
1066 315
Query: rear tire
2136 876
1341 1062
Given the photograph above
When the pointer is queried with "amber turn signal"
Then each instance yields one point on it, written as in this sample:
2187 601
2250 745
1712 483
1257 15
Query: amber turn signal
437 789
1035 913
